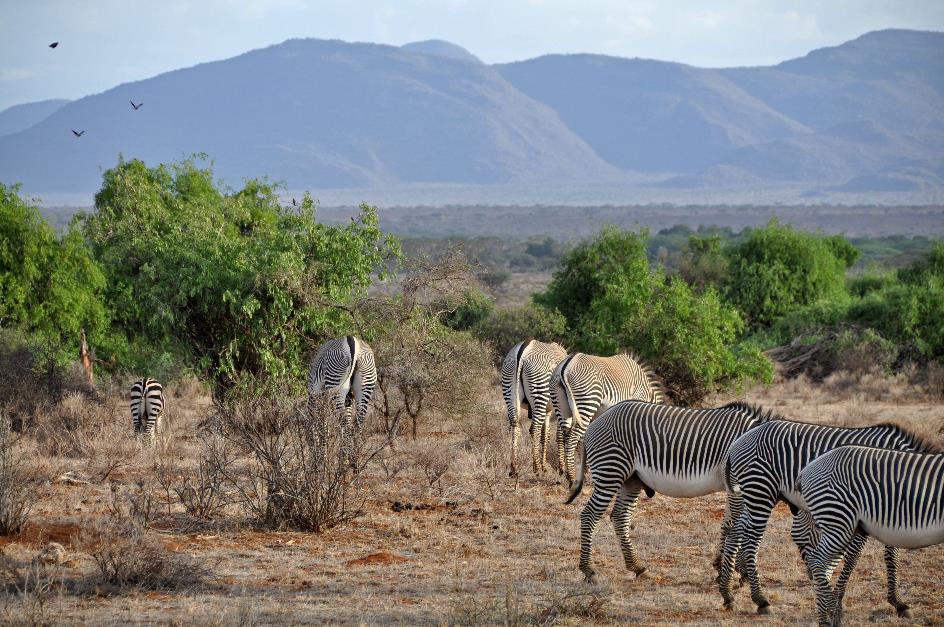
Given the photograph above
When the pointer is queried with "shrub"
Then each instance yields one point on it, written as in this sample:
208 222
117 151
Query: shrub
704 263
50 286
254 284
505 327
17 492
613 302
777 269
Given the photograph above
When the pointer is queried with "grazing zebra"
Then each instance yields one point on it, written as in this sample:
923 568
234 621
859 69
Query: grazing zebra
344 366
763 467
853 492
637 446
526 377
584 385
147 408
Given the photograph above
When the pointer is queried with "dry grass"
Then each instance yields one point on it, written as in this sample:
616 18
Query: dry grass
446 537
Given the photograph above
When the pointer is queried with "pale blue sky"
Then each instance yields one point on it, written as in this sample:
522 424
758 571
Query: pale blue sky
107 42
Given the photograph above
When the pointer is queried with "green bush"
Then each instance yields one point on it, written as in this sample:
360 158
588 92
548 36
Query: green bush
704 263
233 283
776 270
613 302
50 286
503 328
474 308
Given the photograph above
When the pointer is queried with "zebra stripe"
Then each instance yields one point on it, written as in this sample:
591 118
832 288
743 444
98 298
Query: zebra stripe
637 446
584 385
147 407
344 367
763 466
853 492
526 376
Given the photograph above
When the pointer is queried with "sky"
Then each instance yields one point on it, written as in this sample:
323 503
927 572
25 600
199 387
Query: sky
107 42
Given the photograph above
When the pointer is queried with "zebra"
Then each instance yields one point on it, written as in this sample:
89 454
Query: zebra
762 468
344 366
853 492
147 408
638 446
526 377
584 385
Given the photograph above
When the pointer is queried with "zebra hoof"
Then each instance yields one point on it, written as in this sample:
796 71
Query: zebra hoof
513 473
728 606
763 609
641 572
590 578
904 612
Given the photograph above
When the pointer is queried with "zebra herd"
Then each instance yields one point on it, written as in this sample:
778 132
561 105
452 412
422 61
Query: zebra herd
842 484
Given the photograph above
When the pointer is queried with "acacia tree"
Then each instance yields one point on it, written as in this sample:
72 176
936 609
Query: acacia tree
232 283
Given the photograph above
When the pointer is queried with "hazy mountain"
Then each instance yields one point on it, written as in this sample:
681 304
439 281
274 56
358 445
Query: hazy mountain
441 48
20 117
312 113
867 115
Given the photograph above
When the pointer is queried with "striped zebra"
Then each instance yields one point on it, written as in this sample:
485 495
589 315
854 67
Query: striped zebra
343 367
526 377
583 386
637 446
147 408
853 492
762 468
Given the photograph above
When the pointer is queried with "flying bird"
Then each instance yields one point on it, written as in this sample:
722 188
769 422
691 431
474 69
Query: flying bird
54 44
78 133
136 106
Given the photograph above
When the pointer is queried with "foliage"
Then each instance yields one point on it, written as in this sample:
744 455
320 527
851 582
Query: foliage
613 302
475 307
777 269
50 286
234 283
704 263
505 327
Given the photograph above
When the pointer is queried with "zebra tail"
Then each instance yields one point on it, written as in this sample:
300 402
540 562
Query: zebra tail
732 487
578 484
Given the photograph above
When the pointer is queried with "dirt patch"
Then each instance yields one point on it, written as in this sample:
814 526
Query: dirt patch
378 558
40 533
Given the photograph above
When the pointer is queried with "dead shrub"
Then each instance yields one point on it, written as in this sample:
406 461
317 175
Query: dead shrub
206 492
127 555
304 470
31 592
17 490
434 463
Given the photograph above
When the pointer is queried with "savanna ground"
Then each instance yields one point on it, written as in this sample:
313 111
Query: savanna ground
446 537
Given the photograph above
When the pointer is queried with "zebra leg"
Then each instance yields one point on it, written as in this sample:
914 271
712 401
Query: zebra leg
755 523
589 519
853 551
545 435
622 517
822 562
729 552
538 415
891 565
515 429
805 535
732 510
561 462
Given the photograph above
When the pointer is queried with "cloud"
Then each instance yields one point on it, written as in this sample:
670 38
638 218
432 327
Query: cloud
16 74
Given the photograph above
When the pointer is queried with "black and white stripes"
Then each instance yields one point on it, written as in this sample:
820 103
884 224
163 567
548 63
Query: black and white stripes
853 492
525 378
344 366
638 446
147 407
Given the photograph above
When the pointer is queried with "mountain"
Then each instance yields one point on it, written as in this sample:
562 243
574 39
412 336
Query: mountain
312 113
441 48
863 116
20 117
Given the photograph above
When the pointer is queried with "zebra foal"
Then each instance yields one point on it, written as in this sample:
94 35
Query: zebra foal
638 446
147 408
526 378
854 492
584 385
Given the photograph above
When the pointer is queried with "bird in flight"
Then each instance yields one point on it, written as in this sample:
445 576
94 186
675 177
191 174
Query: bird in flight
54 44
78 133
136 106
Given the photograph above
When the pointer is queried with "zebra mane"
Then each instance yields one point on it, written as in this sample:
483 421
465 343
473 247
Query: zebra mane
757 411
655 381
923 443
